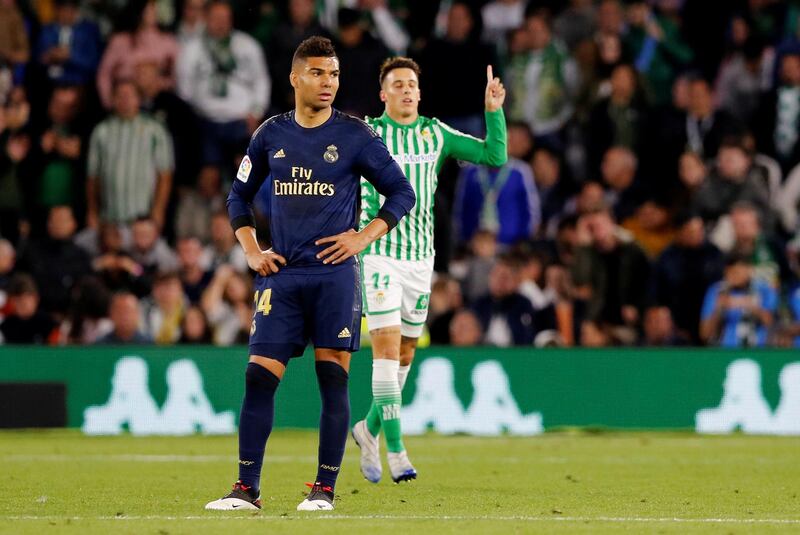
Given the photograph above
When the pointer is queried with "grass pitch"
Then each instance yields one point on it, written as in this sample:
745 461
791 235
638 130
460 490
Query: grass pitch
62 482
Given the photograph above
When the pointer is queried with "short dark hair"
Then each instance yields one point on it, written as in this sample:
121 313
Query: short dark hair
510 260
522 125
735 142
737 258
745 206
189 237
166 276
22 284
215 3
121 294
698 78
684 216
315 46
543 13
348 17
398 62
143 218
130 16
122 82
792 53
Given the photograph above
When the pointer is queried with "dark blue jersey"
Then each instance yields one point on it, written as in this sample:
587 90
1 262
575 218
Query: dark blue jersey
312 182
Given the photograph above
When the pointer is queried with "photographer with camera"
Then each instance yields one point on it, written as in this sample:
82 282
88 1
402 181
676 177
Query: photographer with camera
739 309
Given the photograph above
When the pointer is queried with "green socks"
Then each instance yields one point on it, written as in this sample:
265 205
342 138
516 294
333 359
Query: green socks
386 401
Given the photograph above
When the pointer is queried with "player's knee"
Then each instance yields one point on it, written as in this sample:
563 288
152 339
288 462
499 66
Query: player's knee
385 343
406 358
408 349
331 374
386 352
258 376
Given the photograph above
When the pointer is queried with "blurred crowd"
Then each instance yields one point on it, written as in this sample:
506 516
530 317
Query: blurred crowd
651 195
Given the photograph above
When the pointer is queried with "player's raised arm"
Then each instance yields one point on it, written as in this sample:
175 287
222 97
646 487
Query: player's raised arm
376 165
252 172
491 151
495 91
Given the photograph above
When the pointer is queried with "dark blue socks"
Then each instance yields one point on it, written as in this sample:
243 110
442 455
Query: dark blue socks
334 421
258 409
255 422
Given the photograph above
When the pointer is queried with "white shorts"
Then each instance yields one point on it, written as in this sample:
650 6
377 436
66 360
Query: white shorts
396 292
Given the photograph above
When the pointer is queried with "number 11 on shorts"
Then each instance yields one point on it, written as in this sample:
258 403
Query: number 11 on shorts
376 280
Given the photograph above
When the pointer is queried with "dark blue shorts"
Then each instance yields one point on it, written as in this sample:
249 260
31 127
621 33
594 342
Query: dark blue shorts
293 308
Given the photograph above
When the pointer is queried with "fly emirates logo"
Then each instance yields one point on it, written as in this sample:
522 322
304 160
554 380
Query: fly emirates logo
301 184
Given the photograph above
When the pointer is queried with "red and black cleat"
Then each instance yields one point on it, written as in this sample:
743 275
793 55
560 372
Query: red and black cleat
242 497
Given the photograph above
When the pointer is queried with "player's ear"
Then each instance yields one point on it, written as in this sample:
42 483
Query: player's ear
293 78
383 95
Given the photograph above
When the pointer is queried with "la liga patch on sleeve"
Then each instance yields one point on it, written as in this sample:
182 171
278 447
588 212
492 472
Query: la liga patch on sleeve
244 169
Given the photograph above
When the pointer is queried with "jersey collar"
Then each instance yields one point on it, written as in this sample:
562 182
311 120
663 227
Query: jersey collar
385 117
328 121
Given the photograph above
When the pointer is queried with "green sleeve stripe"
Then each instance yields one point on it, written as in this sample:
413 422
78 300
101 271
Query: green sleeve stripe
379 312
412 322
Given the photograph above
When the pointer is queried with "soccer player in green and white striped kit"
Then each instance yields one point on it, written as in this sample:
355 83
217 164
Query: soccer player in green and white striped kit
397 268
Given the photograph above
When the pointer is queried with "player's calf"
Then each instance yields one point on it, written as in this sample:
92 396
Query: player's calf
255 425
334 421
388 401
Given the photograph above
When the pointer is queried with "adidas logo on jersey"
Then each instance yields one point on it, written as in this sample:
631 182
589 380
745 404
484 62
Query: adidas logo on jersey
280 154
345 333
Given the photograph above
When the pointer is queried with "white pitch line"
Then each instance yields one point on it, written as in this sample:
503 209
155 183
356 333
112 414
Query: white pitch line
148 458
521 518
161 458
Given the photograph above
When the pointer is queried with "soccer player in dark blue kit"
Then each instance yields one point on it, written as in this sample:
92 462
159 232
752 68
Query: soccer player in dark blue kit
308 284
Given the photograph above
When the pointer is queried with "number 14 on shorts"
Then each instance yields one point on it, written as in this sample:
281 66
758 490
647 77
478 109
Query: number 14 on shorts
262 301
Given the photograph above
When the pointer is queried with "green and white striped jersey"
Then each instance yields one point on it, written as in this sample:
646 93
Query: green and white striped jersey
420 148
126 156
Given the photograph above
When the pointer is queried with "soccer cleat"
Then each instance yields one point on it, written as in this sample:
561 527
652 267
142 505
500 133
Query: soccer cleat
319 499
401 467
370 452
241 498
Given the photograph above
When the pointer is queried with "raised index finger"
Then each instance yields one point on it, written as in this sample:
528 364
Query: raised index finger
489 74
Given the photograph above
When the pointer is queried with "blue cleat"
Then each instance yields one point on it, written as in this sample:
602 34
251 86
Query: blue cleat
370 452
401 467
